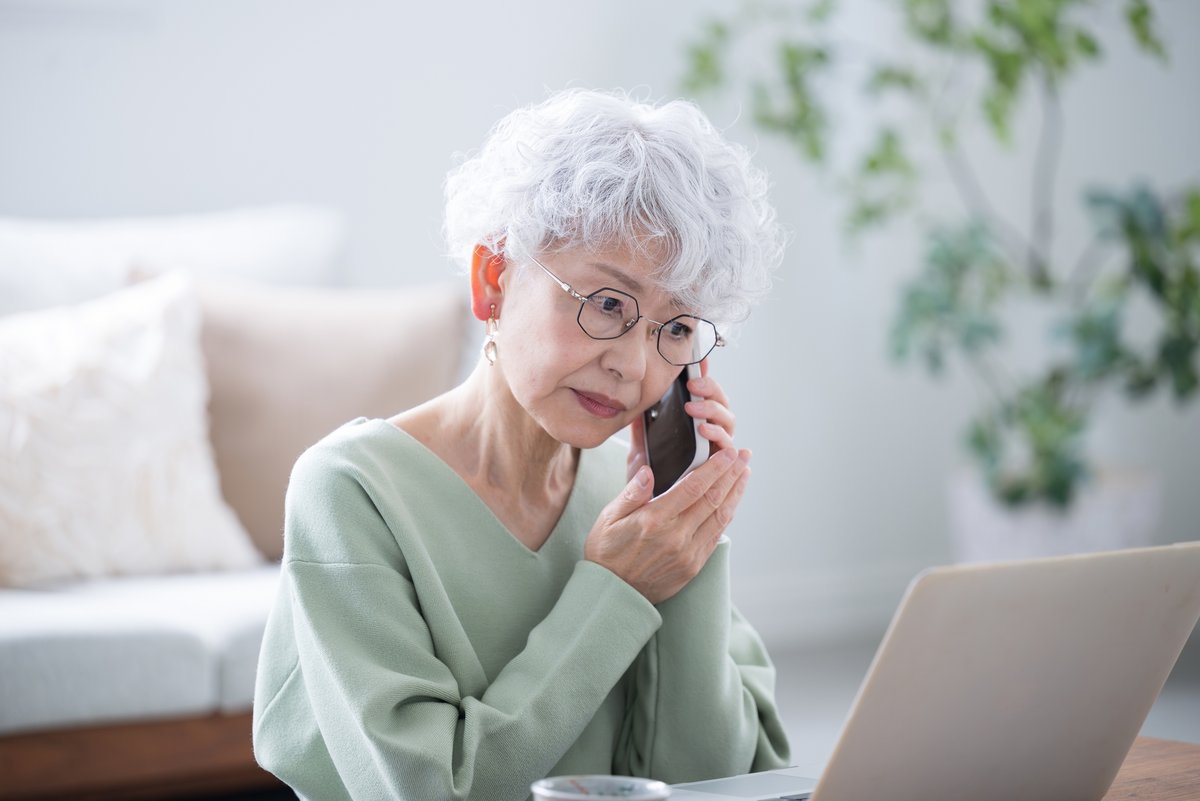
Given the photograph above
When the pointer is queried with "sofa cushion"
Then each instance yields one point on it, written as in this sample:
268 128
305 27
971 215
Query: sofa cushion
68 662
52 262
105 462
139 647
289 365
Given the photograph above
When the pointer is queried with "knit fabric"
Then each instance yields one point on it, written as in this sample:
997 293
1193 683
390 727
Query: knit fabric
418 650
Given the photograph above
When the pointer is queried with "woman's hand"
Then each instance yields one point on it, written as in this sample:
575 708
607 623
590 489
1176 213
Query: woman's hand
711 408
658 547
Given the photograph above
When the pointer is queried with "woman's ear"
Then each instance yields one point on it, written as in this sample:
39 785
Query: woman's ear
486 267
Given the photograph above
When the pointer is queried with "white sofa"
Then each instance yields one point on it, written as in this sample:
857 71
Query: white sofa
141 686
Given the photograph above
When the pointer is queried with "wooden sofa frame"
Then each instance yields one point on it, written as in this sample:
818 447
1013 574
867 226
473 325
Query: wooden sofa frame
161 759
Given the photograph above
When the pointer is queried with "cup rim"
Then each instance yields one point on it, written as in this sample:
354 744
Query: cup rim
647 789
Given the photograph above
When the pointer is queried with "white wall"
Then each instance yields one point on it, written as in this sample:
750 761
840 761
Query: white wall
114 107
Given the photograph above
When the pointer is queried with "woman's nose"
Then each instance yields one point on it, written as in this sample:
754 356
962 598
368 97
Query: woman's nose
627 356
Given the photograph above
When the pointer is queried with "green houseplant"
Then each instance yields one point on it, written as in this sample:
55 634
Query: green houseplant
949 63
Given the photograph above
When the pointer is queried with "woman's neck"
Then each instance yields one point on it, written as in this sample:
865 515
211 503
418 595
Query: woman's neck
499 446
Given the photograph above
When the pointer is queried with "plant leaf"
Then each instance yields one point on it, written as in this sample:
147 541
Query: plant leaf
1141 22
705 70
1176 354
1106 211
799 116
821 10
932 21
889 77
1189 228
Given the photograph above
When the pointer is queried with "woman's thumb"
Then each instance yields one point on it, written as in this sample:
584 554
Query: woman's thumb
635 494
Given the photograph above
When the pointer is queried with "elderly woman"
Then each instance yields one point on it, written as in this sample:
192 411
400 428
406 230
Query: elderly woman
482 591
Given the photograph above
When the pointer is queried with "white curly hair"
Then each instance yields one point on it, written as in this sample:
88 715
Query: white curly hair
600 169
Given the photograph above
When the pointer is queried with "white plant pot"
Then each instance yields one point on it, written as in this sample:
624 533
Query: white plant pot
1115 510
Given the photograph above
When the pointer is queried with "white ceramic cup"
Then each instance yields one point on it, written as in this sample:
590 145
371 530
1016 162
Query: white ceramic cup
583 788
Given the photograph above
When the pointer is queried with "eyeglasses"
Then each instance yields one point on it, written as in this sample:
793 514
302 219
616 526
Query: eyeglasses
609 313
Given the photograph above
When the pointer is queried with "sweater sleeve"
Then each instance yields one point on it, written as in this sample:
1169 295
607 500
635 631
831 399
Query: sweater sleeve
703 695
391 714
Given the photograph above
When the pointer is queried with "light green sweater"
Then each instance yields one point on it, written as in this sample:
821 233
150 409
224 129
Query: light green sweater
417 650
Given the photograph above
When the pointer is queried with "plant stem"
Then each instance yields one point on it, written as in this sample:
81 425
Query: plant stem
966 183
1045 170
1085 269
1081 398
986 377
976 201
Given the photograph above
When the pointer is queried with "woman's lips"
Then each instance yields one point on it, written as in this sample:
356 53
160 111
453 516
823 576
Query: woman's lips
599 405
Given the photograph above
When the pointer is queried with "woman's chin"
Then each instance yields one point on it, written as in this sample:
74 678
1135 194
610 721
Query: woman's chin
591 436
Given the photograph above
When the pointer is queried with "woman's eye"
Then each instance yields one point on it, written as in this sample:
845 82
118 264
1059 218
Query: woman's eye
679 330
609 304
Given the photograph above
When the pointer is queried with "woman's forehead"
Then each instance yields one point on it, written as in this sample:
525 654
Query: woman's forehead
638 259
625 277
624 268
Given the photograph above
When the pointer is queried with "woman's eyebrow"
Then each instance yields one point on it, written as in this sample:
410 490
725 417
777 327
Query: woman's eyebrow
628 280
620 275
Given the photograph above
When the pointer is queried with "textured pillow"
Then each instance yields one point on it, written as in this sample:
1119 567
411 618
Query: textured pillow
288 365
105 463
53 262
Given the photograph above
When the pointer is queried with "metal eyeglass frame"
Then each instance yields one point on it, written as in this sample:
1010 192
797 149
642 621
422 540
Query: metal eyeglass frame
583 299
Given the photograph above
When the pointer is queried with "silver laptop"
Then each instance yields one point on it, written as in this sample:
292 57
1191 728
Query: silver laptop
1017 680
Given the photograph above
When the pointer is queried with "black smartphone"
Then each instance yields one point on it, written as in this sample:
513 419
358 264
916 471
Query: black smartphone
674 446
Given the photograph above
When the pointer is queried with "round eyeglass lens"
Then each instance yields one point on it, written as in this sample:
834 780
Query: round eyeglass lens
686 339
608 313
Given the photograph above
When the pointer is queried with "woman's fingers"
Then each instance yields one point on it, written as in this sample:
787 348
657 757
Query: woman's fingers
658 545
635 495
716 424
713 503
708 387
637 435
637 448
713 412
710 531
701 493
633 464
711 406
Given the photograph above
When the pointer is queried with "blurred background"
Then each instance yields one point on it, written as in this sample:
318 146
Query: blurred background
145 107
128 108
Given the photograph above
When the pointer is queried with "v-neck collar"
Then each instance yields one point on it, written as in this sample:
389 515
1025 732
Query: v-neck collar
439 464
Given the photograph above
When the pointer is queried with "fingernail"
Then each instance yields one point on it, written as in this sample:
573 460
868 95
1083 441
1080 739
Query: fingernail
643 476
745 455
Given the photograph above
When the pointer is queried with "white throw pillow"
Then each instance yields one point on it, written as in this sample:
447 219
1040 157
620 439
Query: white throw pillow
105 461
53 262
